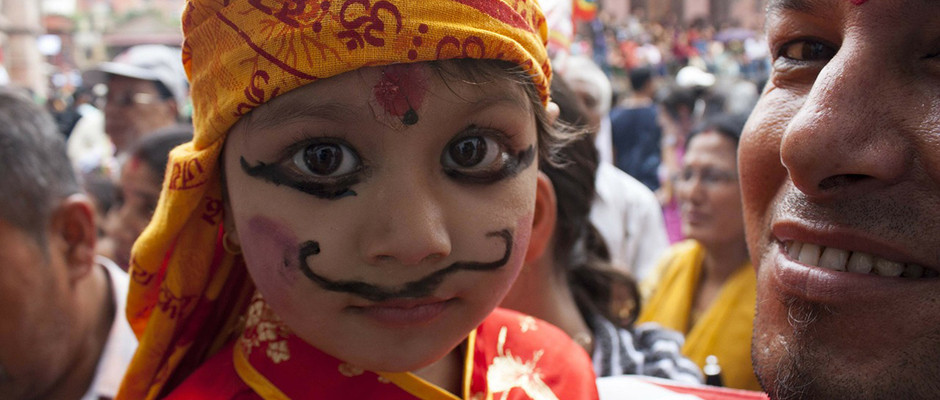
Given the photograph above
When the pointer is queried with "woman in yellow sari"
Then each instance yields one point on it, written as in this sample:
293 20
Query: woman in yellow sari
357 199
705 286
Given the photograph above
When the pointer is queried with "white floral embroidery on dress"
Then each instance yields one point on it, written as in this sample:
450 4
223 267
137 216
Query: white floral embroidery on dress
349 370
278 351
527 323
509 372
264 329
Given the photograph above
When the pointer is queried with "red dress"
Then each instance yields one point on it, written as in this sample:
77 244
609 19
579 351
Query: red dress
509 356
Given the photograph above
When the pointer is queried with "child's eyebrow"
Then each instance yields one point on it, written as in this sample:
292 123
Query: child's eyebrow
283 114
488 100
804 6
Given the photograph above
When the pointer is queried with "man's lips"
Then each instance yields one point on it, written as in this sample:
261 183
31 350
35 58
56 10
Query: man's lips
859 262
842 249
812 274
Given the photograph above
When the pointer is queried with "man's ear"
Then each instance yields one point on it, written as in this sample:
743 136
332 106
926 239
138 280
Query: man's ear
543 222
73 227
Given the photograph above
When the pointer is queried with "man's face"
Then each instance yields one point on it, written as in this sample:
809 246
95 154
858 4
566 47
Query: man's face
840 174
133 109
34 334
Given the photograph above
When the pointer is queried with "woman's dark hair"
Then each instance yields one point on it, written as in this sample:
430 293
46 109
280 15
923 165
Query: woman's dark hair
729 125
579 249
154 149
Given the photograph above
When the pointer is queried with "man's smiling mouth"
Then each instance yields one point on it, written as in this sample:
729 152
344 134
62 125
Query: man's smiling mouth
854 261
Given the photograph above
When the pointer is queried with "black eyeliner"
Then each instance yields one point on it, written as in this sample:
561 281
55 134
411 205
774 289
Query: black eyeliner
274 174
515 164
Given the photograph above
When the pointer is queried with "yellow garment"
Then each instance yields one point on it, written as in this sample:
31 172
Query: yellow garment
724 330
186 293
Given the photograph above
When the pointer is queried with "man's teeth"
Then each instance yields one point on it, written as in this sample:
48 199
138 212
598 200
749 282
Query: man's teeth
854 261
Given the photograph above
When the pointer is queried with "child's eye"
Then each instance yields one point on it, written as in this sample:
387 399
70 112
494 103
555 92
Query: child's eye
483 158
806 50
472 153
327 160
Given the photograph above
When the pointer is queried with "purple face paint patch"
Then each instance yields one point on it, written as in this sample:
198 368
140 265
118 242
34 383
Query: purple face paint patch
269 243
398 94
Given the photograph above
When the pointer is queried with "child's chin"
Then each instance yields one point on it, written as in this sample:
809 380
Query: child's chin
403 361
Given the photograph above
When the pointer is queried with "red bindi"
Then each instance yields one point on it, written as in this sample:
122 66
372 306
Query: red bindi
858 2
400 91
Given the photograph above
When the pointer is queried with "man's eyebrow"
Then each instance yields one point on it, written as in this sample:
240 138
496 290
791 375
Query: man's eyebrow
282 114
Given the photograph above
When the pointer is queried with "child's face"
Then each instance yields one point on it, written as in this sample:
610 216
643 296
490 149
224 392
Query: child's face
383 213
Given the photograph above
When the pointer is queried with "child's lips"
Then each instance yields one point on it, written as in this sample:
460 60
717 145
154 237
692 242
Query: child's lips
404 312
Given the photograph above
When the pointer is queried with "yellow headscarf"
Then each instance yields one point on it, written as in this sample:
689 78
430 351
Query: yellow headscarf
186 292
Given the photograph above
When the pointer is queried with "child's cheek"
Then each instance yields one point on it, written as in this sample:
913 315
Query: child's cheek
522 234
271 252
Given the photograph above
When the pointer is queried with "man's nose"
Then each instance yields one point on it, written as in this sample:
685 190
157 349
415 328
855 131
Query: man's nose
845 138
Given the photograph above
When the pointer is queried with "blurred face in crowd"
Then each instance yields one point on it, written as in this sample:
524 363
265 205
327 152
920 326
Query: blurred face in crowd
36 345
708 191
137 196
840 174
134 107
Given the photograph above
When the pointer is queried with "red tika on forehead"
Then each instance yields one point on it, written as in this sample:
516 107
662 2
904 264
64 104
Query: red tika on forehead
858 2
399 93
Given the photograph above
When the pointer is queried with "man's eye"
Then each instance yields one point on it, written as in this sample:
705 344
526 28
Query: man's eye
473 153
327 160
807 50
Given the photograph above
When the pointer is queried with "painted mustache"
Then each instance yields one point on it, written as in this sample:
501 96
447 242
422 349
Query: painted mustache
420 288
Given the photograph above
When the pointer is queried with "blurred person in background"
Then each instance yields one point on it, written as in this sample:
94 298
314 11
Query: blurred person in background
677 115
593 88
147 90
705 286
635 130
138 191
64 335
624 210
88 146
570 282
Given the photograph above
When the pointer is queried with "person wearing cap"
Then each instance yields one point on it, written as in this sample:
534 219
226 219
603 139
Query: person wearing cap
147 90
359 196
64 335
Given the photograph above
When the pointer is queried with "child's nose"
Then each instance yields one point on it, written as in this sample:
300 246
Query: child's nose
409 227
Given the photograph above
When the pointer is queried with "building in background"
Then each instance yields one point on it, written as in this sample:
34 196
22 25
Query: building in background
44 44
720 13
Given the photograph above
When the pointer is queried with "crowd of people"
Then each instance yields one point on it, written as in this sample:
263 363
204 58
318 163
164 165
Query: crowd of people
358 200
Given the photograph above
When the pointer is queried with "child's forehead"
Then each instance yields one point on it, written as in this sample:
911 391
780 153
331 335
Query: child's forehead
348 95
